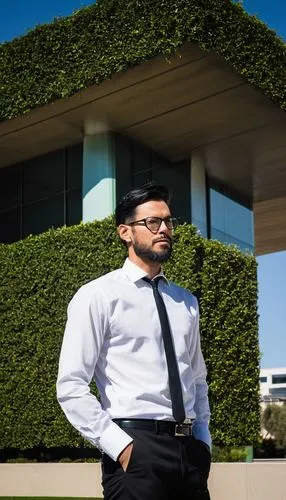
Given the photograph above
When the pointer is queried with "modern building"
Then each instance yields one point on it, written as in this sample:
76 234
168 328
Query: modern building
90 110
273 385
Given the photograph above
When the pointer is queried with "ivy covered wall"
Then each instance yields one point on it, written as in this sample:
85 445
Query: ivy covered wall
56 60
40 274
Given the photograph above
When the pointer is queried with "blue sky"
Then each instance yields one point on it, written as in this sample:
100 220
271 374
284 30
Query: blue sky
18 16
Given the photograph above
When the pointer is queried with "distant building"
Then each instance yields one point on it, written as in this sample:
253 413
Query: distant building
272 391
273 385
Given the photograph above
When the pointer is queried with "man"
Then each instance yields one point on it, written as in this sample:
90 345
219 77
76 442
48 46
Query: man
152 420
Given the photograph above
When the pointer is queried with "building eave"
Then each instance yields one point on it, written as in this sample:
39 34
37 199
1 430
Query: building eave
192 102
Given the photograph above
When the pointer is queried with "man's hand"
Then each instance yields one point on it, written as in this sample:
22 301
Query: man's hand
124 456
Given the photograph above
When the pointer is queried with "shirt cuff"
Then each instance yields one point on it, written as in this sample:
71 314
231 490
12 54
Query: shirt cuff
113 441
200 430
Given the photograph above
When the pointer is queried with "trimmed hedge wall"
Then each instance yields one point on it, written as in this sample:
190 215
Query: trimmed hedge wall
56 60
39 275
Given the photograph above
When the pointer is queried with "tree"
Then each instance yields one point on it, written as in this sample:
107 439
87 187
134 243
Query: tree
274 422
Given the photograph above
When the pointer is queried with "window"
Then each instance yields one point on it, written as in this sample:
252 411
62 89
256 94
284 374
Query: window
137 164
279 379
230 221
39 217
123 162
74 167
10 187
73 207
278 391
43 176
262 380
176 176
10 225
41 193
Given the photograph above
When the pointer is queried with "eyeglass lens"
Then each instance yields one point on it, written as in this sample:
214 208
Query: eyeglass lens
153 223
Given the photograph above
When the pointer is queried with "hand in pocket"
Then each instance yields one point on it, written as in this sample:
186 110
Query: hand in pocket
124 456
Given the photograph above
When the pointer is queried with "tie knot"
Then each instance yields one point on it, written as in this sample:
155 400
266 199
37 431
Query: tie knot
154 282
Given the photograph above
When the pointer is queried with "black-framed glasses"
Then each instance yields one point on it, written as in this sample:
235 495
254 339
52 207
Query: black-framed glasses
154 223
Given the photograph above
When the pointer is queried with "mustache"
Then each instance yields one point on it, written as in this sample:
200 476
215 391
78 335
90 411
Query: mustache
162 238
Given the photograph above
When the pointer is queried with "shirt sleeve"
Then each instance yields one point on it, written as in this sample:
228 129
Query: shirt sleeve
84 334
201 406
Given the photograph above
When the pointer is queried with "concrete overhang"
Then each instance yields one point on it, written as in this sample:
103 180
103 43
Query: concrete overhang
192 102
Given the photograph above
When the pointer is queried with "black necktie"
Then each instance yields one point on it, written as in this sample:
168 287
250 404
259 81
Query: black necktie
173 372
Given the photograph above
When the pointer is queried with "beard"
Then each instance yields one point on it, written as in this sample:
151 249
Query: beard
146 253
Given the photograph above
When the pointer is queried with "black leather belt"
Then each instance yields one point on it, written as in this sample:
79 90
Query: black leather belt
156 426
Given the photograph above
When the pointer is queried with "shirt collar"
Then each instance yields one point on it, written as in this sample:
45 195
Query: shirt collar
135 273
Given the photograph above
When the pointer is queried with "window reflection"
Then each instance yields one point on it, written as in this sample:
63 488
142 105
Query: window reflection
41 216
176 176
230 221
10 187
10 226
43 176
74 207
142 178
41 193
137 164
74 155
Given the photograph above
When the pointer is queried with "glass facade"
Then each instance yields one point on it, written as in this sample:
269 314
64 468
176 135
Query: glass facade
199 195
41 193
136 164
46 192
230 221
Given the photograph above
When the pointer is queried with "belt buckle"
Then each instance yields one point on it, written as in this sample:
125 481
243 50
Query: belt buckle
183 429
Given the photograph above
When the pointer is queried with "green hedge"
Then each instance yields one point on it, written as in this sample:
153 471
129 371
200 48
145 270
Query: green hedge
58 59
39 275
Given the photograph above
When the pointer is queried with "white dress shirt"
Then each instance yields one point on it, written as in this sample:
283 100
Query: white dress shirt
113 334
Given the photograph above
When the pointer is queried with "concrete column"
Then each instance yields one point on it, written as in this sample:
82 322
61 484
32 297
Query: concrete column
99 177
198 194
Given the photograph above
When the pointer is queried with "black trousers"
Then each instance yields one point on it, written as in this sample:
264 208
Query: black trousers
161 467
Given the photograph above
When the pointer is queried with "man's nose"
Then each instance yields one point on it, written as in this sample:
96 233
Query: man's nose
163 228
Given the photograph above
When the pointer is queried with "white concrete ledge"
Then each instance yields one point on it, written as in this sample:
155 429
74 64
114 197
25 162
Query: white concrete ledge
235 481
51 480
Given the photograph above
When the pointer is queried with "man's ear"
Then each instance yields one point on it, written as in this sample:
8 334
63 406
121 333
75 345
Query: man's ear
124 233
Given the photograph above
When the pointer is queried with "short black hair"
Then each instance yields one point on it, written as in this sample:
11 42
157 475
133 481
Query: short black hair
126 207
